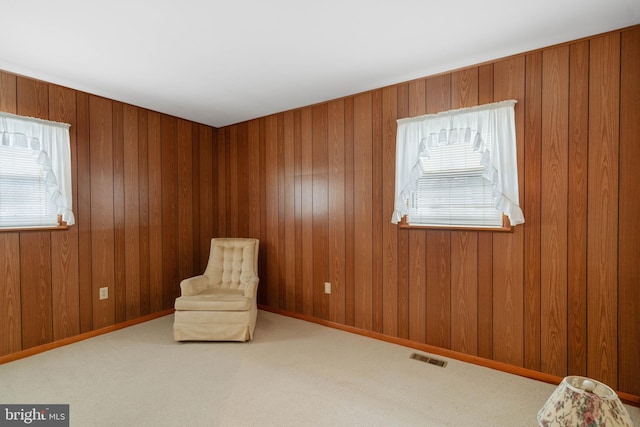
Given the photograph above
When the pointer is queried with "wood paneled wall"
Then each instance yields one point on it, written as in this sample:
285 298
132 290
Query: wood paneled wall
560 294
142 200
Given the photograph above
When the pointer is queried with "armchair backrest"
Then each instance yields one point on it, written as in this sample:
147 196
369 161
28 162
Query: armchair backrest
232 262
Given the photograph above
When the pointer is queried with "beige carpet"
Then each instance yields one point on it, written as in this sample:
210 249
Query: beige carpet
294 373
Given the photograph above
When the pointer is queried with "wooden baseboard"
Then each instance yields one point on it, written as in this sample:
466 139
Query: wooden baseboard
627 398
81 337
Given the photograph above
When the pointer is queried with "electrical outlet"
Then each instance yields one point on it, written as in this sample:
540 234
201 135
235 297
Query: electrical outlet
104 293
327 287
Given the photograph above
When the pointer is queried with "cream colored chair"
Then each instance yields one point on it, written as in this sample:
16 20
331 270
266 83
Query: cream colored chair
221 305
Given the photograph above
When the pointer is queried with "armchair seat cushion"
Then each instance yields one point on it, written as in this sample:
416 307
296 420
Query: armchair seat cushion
215 300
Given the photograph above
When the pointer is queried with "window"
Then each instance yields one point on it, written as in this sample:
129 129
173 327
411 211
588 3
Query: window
457 169
35 173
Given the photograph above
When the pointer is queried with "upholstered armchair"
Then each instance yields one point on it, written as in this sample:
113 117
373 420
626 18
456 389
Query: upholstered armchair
221 304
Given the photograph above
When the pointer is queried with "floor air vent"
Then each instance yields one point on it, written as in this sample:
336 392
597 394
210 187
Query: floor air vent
430 360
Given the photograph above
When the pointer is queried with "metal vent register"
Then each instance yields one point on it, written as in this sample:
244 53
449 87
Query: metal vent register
430 360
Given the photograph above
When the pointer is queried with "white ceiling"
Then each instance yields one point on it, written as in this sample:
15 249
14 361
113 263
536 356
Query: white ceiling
220 63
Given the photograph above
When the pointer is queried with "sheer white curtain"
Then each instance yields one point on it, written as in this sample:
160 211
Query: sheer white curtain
491 127
50 143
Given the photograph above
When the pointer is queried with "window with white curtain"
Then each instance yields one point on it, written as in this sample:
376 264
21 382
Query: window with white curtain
458 169
35 173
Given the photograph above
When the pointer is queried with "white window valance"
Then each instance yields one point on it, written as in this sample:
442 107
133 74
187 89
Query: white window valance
491 128
50 143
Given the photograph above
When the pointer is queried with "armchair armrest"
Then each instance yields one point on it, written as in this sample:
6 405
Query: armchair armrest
194 285
251 287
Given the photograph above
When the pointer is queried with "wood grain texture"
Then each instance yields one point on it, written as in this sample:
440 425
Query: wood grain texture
320 220
156 219
83 213
207 193
185 201
577 208
270 234
389 230
132 208
362 206
629 228
336 209
403 237
170 210
10 303
554 205
64 246
119 290
438 247
102 209
603 187
532 206
508 318
377 214
35 288
485 245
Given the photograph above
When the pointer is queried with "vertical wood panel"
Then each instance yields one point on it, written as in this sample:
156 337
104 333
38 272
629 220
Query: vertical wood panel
131 164
271 233
231 179
8 93
298 181
221 169
185 201
206 195
464 245
170 215
154 149
83 213
362 202
144 216
377 214
349 211
336 209
35 288
320 210
602 240
246 134
531 205
577 208
508 318
389 230
629 228
417 269
35 247
306 177
119 287
438 249
485 245
64 246
554 186
403 238
254 157
289 167
10 304
102 209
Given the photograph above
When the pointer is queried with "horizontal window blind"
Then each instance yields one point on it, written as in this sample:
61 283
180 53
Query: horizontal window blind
452 190
23 193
